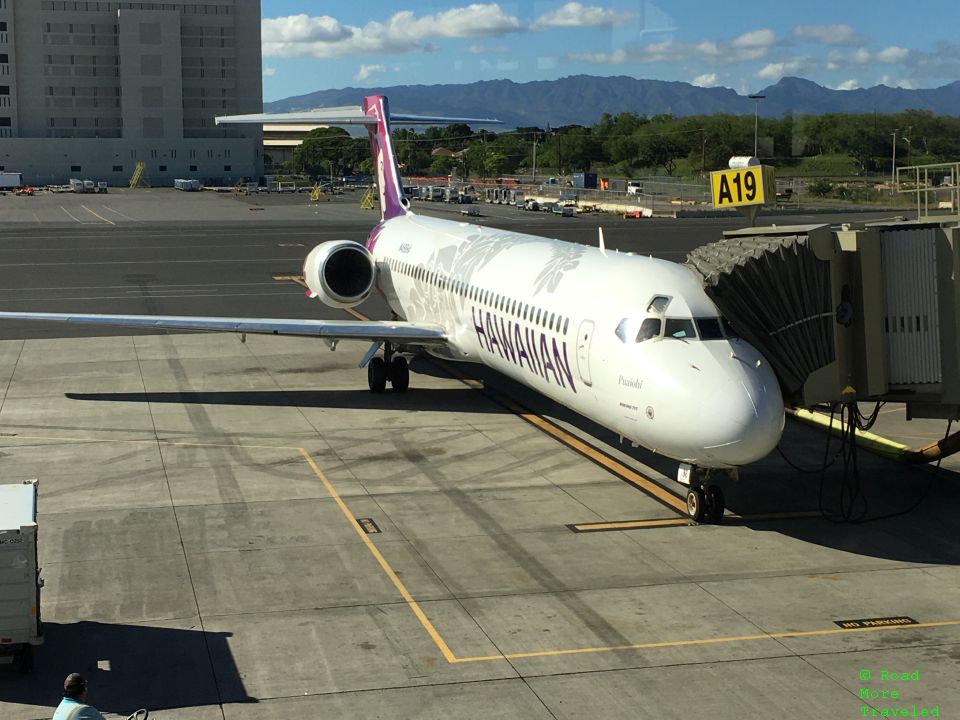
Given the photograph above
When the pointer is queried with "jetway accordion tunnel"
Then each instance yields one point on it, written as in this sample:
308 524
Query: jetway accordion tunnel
866 312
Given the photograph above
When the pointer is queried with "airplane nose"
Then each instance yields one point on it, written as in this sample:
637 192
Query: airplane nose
749 420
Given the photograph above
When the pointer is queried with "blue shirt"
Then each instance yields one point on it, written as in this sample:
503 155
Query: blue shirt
84 712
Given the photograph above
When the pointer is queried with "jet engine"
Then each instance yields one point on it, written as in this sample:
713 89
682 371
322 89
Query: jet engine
339 272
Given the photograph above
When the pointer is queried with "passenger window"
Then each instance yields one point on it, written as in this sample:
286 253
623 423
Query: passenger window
709 328
680 328
650 328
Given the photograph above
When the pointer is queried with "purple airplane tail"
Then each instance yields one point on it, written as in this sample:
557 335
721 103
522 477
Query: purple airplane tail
392 201
375 115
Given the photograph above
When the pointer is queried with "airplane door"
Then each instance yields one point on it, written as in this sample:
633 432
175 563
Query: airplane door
584 336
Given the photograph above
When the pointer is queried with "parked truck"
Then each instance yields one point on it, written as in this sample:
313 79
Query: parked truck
10 180
20 583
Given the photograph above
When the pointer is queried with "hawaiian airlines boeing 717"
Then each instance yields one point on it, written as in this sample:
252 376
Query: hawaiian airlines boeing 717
633 343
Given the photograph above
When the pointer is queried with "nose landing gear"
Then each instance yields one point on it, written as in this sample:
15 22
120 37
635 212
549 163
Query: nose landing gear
705 501
705 504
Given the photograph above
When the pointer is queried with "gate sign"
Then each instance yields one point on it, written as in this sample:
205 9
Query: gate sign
746 186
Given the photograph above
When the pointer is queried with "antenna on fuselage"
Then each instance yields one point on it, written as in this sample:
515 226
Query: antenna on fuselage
603 247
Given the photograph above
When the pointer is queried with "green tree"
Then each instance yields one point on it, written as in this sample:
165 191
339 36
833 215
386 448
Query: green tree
320 150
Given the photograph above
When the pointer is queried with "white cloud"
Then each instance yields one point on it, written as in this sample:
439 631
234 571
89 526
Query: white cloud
269 71
893 82
403 32
829 34
576 15
775 71
366 72
892 55
487 49
302 29
755 39
706 80
851 84
654 52
710 52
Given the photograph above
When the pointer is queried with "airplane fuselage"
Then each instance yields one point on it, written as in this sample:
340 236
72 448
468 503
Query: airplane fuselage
568 320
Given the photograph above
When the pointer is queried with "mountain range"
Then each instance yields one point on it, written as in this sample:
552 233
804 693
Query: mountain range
581 99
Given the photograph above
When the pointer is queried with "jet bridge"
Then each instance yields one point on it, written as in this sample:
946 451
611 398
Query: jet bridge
864 312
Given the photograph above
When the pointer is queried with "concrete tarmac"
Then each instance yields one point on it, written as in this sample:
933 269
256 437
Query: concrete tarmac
237 531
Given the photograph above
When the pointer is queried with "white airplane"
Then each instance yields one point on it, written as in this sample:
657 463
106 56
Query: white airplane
630 342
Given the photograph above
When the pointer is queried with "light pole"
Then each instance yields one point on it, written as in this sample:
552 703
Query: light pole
893 170
756 118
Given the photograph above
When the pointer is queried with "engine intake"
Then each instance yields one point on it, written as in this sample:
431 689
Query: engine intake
339 272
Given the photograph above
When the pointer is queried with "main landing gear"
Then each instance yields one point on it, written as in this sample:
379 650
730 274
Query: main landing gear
705 501
391 367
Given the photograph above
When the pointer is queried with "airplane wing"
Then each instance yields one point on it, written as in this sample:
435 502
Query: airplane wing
400 333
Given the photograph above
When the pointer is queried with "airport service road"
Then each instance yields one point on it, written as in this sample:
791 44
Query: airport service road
198 499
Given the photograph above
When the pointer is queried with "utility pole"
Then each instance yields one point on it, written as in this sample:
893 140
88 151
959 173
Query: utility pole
756 118
893 170
536 139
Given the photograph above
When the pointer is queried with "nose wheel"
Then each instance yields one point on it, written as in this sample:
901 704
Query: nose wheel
705 504
705 501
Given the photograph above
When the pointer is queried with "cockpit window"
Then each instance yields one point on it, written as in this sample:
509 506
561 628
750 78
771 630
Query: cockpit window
709 328
622 330
659 304
650 328
680 328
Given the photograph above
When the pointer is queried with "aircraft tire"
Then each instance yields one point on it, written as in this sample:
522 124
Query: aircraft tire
696 504
377 375
399 374
715 504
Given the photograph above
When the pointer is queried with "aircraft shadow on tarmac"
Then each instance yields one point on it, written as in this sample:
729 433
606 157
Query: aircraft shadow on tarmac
152 667
929 532
427 399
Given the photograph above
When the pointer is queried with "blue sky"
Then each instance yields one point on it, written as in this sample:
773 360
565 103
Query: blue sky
745 45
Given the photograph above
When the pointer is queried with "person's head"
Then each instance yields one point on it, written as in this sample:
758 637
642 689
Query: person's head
75 687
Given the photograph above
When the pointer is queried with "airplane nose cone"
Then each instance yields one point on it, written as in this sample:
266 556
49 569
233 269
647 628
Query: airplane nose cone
749 419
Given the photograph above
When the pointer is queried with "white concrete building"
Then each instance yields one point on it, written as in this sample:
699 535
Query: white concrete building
90 87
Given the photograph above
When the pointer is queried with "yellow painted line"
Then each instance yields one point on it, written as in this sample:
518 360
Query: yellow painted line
298 279
702 641
574 443
630 524
425 621
775 516
874 442
680 522
36 218
397 583
96 215
617 468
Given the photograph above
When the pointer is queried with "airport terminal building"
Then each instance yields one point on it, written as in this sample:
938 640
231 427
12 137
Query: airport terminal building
89 88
